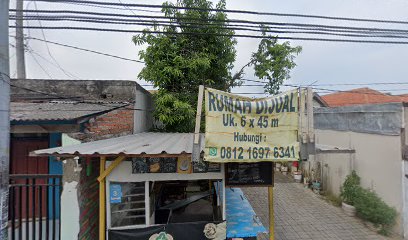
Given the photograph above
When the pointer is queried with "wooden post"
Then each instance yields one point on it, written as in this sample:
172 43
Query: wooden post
271 209
196 144
102 196
104 173
271 214
310 124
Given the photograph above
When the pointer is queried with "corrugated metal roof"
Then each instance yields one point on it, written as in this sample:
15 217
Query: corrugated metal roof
28 111
148 143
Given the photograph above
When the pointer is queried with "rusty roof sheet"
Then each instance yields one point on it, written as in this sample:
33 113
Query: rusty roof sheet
54 111
149 143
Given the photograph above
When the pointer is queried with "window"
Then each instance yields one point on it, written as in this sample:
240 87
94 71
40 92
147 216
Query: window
127 202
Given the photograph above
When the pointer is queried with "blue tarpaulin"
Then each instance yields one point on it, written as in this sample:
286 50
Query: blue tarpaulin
242 221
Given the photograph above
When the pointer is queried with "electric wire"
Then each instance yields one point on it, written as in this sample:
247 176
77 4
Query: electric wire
86 50
309 31
68 74
219 35
210 21
45 59
42 68
225 11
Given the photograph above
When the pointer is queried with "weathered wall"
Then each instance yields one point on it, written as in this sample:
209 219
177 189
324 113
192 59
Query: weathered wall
377 161
335 168
143 108
115 91
69 197
377 118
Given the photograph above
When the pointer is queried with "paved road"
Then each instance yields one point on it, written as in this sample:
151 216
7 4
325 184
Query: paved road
301 214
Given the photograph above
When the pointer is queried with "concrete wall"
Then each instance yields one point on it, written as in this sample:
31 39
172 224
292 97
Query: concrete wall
143 119
139 111
335 168
384 119
115 91
69 196
377 161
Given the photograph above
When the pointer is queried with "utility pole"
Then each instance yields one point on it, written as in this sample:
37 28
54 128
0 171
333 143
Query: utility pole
4 117
21 70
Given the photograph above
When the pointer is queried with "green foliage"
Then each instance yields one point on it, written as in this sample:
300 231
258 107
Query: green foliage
274 61
368 205
371 208
178 63
350 188
174 111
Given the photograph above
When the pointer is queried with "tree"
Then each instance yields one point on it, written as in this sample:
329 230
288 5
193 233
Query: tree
197 48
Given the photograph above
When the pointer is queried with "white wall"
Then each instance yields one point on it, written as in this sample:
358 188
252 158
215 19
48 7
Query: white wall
69 198
335 168
377 161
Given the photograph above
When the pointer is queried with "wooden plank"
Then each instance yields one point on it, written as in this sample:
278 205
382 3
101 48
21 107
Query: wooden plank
198 115
196 143
106 172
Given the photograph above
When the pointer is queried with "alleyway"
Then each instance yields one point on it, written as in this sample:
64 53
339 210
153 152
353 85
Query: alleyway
301 214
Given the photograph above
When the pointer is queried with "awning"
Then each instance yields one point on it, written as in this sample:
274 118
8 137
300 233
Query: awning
141 144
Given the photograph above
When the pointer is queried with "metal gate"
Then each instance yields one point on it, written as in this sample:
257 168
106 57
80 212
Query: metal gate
34 209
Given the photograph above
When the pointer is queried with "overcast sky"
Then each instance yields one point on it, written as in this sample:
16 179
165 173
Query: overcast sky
319 62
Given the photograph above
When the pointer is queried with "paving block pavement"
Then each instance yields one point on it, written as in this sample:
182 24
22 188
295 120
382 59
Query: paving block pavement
301 214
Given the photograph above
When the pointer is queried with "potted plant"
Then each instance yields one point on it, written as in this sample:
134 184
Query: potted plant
349 192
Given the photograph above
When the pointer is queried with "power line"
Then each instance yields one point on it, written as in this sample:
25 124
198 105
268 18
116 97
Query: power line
120 83
211 21
314 31
50 62
86 50
42 68
226 11
219 35
108 7
49 51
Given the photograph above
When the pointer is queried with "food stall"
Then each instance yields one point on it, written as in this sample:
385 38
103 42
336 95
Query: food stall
151 189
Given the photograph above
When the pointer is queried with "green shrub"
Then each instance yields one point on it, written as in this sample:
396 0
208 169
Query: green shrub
371 208
349 190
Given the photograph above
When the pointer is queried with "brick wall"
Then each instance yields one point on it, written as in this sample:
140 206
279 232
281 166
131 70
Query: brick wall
112 124
88 198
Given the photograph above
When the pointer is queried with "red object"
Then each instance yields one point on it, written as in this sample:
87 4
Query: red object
21 163
361 96
295 164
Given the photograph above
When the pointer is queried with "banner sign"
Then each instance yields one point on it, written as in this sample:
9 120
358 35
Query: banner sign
241 129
